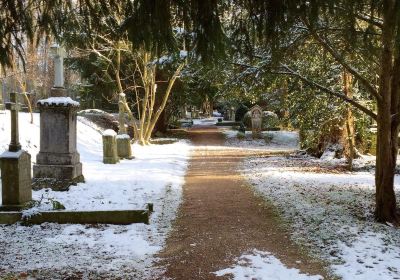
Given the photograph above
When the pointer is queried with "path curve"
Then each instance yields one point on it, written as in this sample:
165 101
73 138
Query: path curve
221 218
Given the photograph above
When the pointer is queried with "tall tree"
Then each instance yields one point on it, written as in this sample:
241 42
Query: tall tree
361 36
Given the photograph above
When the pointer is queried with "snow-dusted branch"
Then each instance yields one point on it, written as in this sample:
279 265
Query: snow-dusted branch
290 71
339 58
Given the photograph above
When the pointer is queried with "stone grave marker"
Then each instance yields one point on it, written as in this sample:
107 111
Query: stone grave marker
256 121
233 114
58 163
15 165
124 149
110 155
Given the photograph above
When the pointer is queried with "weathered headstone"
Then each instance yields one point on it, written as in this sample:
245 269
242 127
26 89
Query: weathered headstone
15 166
1 99
233 114
58 163
124 148
110 155
256 121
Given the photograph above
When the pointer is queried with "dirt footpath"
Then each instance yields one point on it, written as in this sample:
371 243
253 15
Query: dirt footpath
221 218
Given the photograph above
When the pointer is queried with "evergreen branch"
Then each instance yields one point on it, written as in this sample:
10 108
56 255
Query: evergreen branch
339 58
345 98
367 18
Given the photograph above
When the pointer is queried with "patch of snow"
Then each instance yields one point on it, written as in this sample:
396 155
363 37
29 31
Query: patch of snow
270 114
109 132
331 212
205 122
58 101
263 265
328 155
272 140
369 256
112 251
123 136
8 154
183 54
216 114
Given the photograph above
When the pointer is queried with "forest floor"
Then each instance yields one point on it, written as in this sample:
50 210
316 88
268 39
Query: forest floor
221 218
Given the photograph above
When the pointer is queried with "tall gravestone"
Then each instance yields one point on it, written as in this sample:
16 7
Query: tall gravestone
256 121
58 162
15 166
233 117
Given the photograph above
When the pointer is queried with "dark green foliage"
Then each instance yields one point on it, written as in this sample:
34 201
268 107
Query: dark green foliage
149 24
240 112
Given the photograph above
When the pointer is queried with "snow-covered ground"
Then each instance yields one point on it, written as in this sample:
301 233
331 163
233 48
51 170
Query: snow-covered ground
155 175
329 209
263 265
205 121
272 140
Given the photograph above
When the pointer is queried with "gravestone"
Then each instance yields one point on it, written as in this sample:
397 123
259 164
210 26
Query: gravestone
233 114
124 149
110 155
15 165
58 162
256 121
1 100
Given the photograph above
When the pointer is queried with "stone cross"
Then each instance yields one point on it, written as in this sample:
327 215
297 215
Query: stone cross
14 107
58 53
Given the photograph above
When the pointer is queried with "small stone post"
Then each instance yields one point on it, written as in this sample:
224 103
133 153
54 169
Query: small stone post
110 155
15 166
124 148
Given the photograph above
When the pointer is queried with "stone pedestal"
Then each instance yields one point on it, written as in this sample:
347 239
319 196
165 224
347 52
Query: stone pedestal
15 180
110 155
58 162
124 149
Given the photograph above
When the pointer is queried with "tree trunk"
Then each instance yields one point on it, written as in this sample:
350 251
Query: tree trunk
349 140
386 156
387 133
161 124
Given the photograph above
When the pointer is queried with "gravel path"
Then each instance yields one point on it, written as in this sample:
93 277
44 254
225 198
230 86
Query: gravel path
221 218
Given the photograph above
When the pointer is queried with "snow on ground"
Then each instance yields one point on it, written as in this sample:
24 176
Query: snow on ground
263 265
272 140
329 209
205 121
155 175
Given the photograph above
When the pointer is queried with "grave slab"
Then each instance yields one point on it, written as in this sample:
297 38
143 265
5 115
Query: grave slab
116 217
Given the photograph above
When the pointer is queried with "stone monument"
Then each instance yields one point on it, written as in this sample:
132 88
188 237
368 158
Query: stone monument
15 166
1 98
233 113
110 155
256 121
124 148
58 163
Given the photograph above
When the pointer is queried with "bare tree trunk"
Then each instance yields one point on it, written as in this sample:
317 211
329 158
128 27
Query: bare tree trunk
386 156
349 140
388 106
